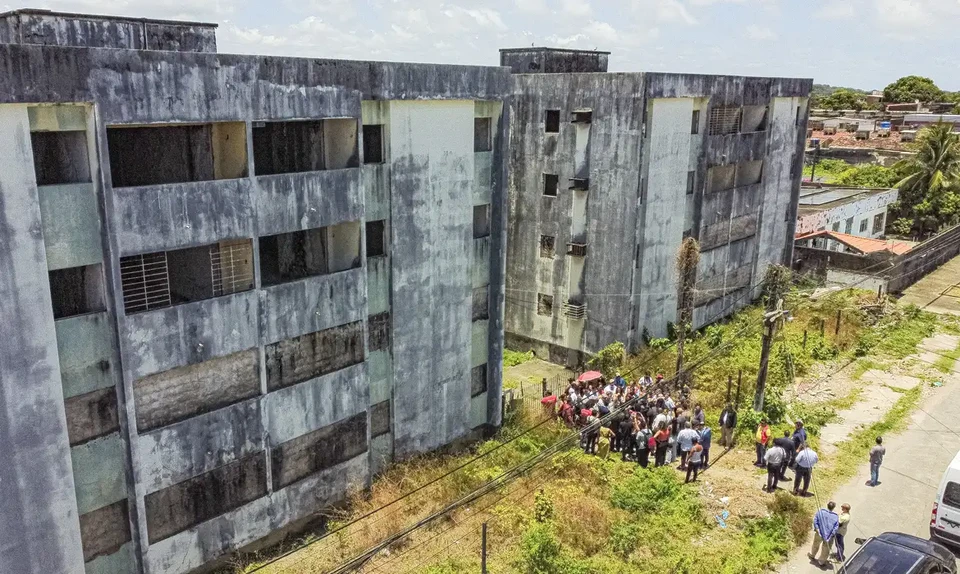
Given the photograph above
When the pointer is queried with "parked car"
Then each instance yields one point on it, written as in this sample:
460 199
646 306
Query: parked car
945 519
898 553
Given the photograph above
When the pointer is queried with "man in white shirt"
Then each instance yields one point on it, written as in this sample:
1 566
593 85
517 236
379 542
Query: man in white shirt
685 440
774 458
805 461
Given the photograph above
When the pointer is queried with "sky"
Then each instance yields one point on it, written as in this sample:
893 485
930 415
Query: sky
864 44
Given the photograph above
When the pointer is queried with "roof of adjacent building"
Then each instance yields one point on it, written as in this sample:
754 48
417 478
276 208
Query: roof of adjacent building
814 199
549 49
864 245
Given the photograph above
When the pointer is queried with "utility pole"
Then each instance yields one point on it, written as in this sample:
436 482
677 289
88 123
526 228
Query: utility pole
775 285
687 259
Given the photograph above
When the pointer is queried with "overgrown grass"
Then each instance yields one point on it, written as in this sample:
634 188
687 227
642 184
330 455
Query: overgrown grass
947 360
513 358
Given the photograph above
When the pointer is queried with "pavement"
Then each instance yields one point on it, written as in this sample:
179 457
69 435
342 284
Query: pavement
938 292
909 476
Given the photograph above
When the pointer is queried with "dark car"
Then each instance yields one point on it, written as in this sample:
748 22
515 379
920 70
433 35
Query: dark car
897 553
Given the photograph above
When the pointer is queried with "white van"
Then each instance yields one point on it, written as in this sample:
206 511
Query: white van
945 520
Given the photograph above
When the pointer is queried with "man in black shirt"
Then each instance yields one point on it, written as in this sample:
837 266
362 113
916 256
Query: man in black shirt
786 443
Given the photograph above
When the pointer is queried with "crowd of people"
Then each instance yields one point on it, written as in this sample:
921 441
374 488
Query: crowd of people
788 451
650 422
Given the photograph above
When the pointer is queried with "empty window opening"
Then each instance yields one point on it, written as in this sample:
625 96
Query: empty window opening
482 134
329 446
695 122
76 291
378 329
754 119
798 116
877 223
481 305
373 144
691 181
156 280
749 172
376 238
343 240
724 120
548 246
302 358
836 226
552 122
302 146
380 419
863 225
177 154
721 177
293 256
60 157
848 228
544 304
551 184
478 380
481 221
582 116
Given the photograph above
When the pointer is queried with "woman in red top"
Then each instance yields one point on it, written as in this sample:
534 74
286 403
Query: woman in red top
662 438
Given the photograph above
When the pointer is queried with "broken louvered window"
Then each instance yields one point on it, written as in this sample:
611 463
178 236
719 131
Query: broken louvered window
724 120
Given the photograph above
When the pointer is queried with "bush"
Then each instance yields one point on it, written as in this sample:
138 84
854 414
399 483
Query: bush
514 358
660 344
541 553
609 359
652 490
797 519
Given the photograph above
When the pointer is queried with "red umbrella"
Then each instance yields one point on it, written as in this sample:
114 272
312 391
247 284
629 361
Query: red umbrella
590 376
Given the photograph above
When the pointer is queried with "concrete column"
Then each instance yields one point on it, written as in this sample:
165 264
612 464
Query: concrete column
39 523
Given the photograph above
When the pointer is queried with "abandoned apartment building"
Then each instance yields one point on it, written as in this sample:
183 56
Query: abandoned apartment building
232 287
609 172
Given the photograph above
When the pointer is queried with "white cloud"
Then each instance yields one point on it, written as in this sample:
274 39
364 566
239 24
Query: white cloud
575 8
663 11
531 6
484 17
760 33
836 10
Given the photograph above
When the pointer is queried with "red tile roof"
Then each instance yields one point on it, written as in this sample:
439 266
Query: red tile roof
862 244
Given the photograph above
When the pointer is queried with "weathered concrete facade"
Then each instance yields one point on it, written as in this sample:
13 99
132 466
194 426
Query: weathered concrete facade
233 287
608 172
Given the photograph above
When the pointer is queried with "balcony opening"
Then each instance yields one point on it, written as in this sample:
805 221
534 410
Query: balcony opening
551 184
754 119
482 134
156 280
724 120
378 332
544 304
380 419
76 291
575 308
60 157
478 380
177 153
552 122
721 177
749 172
376 238
580 183
577 249
293 256
302 146
373 143
481 305
547 246
302 358
481 221
582 116
695 122
691 181
344 244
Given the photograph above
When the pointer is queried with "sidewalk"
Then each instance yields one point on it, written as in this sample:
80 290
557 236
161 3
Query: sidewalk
910 473
939 291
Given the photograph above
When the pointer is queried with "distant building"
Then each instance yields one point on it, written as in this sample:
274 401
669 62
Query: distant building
609 172
851 210
233 287
919 121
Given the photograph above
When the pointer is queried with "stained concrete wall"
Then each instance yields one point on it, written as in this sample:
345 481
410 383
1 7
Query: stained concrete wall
642 149
432 266
38 504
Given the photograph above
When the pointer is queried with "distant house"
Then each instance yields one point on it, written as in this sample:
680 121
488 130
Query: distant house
852 210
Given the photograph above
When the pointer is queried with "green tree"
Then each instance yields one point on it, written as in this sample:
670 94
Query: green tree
843 99
609 359
912 88
870 175
931 180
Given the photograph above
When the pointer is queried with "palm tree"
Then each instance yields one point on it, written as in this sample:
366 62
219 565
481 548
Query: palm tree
932 178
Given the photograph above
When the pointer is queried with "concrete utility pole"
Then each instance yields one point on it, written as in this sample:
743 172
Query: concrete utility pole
687 259
775 285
